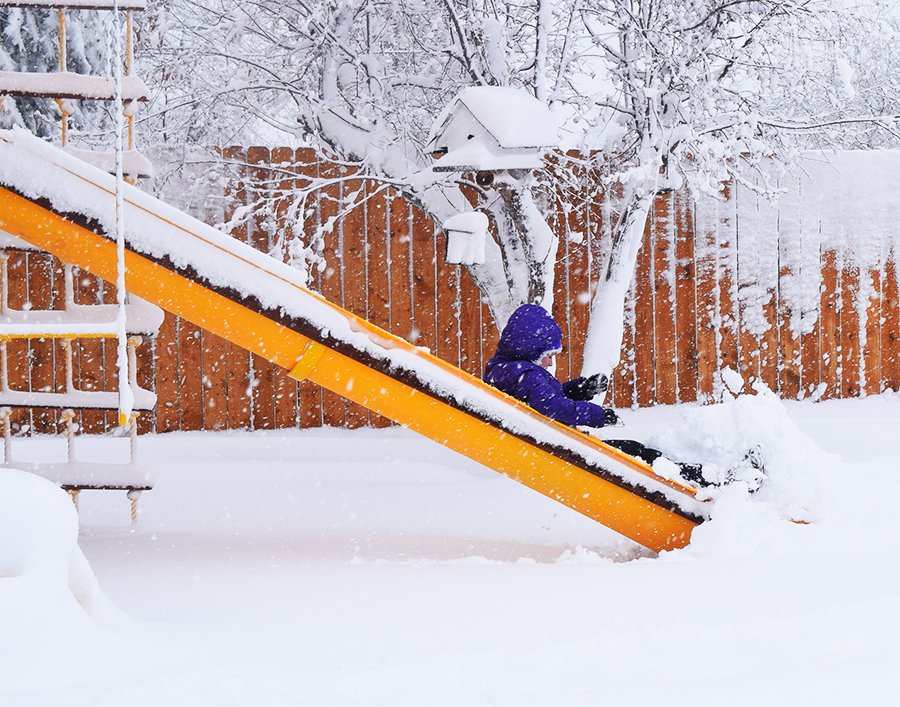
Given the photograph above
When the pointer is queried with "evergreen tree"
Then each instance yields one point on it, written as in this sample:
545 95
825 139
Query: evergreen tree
29 42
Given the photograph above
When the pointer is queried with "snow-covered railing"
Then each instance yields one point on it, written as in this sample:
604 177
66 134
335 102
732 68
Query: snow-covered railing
134 164
66 84
76 321
126 89
75 476
78 4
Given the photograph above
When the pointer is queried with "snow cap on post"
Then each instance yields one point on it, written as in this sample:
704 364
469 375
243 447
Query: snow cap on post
466 234
488 128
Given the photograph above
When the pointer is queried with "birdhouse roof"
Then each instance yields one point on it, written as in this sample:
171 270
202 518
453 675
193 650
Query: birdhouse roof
512 117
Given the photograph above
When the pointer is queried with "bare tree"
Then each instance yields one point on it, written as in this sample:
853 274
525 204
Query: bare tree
363 81
668 92
705 92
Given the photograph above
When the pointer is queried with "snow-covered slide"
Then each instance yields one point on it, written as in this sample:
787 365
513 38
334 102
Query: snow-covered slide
66 207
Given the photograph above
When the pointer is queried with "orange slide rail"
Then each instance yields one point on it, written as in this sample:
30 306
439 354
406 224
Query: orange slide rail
650 518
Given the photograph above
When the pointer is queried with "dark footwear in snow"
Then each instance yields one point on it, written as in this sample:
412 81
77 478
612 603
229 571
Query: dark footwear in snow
693 473
751 470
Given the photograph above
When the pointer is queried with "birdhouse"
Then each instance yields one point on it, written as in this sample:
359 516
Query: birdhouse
492 128
466 234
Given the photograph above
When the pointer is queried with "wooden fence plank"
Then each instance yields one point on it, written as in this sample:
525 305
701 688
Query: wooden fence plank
214 352
664 300
423 264
830 325
400 264
707 297
811 358
890 317
792 250
558 221
748 284
378 272
769 275
190 375
788 341
240 395
111 381
168 417
850 331
645 340
260 190
469 325
870 354
89 355
236 190
447 296
144 358
263 388
585 227
728 321
59 348
685 298
238 378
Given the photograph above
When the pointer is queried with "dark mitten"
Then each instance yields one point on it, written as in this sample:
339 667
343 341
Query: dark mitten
609 417
587 388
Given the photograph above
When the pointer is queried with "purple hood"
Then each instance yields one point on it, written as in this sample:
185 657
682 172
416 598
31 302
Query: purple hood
529 333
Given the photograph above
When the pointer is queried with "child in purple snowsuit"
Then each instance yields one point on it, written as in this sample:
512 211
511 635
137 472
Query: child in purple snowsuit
527 345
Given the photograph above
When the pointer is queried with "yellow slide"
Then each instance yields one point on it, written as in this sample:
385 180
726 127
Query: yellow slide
62 205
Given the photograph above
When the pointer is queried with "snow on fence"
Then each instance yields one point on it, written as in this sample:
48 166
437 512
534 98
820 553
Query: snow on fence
802 295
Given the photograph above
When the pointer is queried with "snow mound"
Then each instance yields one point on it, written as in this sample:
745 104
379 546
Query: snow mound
805 485
42 569
59 630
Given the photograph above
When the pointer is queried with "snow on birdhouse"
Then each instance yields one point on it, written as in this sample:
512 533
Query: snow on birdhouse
492 128
466 234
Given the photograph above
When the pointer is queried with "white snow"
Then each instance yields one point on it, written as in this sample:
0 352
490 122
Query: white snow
373 567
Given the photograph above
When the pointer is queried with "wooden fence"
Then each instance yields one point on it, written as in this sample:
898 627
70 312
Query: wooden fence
698 303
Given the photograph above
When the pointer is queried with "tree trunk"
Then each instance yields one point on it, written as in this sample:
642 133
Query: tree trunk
607 324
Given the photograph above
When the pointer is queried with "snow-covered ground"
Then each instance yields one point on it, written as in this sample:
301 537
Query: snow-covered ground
376 568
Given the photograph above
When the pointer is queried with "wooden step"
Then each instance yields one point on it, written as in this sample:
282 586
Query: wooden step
67 84
77 4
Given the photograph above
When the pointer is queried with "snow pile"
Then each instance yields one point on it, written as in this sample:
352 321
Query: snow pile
52 611
805 486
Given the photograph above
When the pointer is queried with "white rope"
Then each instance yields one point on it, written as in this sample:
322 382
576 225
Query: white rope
126 394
